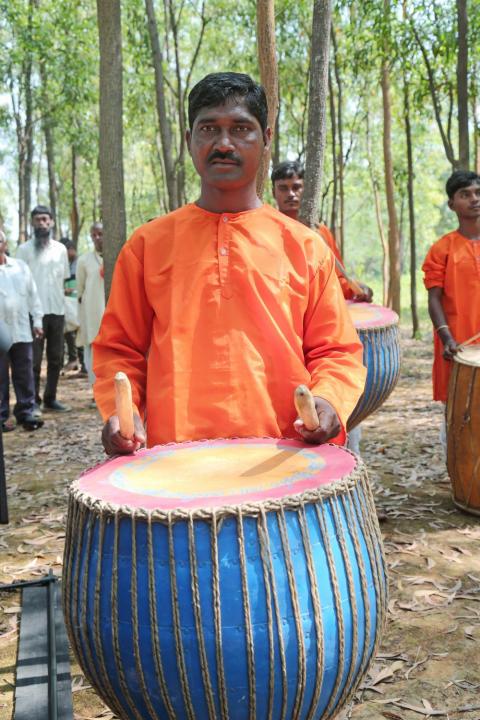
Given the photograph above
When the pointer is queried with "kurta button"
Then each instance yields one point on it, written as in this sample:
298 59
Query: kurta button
223 251
225 219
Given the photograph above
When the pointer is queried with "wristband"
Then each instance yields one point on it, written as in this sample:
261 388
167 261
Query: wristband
440 327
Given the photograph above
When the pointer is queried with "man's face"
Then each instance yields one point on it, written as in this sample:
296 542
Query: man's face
288 194
466 202
3 245
42 225
96 233
72 254
227 145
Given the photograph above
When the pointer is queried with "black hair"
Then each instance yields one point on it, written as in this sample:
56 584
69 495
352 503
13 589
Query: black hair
287 169
460 179
217 88
67 242
41 210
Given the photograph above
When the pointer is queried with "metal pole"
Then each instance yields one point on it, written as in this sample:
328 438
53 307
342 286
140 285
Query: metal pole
52 650
3 486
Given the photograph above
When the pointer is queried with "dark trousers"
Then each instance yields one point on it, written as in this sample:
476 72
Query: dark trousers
53 337
71 347
20 360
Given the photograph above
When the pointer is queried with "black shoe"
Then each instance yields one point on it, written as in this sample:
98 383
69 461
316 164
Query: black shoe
32 423
56 406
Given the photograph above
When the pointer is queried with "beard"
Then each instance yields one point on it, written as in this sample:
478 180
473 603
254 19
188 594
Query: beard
41 237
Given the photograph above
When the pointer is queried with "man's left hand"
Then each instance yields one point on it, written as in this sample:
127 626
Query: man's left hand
38 332
329 424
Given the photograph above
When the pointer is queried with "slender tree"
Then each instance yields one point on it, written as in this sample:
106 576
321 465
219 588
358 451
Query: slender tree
393 231
462 85
267 62
111 133
317 110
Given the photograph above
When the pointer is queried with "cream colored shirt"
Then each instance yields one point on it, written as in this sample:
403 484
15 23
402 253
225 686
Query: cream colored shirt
18 298
91 295
49 268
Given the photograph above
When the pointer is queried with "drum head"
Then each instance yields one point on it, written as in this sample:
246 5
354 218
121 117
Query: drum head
469 355
215 473
368 315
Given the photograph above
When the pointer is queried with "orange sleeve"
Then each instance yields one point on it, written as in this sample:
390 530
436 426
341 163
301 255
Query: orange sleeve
327 235
332 349
125 333
435 264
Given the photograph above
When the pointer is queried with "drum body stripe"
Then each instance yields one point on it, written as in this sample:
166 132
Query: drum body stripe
381 357
262 612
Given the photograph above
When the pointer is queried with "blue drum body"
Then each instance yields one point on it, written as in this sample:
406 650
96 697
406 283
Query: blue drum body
272 610
381 357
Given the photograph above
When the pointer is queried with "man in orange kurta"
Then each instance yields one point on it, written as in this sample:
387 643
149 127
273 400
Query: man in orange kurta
287 187
220 309
452 278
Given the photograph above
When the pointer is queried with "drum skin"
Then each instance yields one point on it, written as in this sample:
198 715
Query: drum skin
377 328
269 609
463 431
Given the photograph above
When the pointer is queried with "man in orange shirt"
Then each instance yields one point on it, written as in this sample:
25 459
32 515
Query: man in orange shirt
287 188
452 278
220 309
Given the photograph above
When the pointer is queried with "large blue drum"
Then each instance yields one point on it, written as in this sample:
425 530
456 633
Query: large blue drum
377 328
240 579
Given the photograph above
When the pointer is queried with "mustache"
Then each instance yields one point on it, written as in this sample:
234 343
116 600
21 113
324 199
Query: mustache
217 155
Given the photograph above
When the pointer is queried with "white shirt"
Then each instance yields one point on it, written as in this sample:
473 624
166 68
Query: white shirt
91 292
18 298
49 268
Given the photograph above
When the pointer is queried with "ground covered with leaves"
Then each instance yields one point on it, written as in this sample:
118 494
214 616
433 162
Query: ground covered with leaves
429 661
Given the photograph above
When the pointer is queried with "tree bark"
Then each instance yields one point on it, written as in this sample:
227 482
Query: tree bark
317 109
340 160
393 232
333 130
462 86
74 214
163 119
267 63
378 214
111 133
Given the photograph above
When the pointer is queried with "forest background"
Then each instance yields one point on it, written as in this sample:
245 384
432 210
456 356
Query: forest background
403 82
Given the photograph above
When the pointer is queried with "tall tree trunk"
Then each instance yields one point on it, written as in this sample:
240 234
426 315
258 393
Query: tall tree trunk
163 119
333 130
476 130
340 160
462 86
74 214
47 125
276 136
317 110
393 233
267 62
411 199
111 133
378 214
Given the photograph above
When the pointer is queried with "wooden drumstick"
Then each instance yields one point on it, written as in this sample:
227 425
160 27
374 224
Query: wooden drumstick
123 401
305 405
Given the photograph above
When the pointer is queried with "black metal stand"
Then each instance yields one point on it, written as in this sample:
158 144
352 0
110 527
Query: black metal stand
3 485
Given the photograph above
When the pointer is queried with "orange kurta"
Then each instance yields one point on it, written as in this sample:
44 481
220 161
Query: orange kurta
327 235
453 263
216 318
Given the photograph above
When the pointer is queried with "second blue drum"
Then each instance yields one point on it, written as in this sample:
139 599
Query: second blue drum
377 328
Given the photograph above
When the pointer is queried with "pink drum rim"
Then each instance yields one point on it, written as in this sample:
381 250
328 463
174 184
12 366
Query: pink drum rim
327 465
378 316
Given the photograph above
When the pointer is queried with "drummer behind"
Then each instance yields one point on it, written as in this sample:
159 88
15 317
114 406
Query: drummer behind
287 188
452 278
219 309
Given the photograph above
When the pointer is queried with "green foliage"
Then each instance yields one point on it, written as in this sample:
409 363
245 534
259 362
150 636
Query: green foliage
60 40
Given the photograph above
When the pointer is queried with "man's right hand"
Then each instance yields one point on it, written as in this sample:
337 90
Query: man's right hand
116 444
